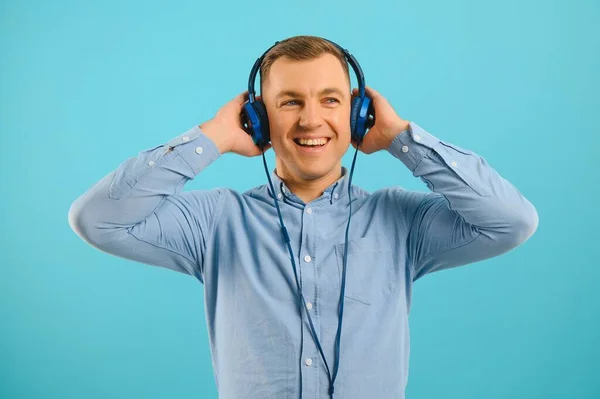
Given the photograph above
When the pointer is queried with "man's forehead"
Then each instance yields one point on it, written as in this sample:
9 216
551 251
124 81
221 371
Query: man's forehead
298 78
325 60
325 67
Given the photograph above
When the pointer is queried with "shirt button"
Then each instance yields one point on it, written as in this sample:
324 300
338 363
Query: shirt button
308 361
308 305
417 137
309 210
307 258
335 196
454 163
151 163
185 138
198 150
279 195
404 148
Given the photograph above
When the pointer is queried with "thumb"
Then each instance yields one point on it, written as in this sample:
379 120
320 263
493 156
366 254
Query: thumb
248 148
258 151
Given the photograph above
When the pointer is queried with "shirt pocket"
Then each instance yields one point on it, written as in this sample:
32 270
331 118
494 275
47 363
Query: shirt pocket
369 269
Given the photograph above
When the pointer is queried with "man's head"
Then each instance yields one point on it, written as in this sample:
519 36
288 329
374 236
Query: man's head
305 86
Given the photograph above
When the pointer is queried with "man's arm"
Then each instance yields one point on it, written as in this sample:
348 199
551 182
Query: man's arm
472 212
139 212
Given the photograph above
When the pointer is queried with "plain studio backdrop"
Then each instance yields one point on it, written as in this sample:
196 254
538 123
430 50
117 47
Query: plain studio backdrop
86 85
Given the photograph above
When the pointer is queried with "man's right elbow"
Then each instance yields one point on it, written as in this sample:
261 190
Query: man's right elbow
81 223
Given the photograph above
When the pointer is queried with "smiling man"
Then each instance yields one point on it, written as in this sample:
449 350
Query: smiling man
308 103
261 332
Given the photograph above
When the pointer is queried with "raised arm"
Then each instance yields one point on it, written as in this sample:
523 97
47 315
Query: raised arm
139 211
472 213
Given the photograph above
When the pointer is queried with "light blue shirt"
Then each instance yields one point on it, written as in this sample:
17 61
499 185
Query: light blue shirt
231 242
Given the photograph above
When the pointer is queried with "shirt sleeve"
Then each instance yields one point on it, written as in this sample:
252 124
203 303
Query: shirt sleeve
139 212
471 213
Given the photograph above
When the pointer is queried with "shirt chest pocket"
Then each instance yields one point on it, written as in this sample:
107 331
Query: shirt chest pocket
370 274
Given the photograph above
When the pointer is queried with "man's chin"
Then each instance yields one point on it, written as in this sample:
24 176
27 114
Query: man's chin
317 172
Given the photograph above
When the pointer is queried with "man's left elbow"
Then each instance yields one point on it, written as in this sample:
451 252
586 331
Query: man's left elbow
525 224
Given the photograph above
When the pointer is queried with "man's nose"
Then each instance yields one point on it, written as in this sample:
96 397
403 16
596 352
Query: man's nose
310 115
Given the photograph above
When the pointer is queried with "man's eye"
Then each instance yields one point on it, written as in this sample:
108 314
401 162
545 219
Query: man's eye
333 99
291 102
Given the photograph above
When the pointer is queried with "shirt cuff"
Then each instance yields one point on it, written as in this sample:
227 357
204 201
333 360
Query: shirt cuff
412 145
195 148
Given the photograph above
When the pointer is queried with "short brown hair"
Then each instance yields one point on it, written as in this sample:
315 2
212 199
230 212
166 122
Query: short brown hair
301 48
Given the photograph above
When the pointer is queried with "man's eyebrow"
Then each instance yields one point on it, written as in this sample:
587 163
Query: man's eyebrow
331 90
292 93
288 93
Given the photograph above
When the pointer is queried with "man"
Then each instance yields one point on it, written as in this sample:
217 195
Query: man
231 242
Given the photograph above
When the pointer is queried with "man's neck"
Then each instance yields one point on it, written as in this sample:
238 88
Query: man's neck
308 190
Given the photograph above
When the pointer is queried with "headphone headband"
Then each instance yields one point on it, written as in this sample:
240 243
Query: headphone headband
349 58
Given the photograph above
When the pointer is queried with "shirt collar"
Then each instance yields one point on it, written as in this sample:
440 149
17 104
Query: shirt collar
338 191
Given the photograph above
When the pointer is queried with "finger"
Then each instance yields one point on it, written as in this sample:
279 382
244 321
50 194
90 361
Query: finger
372 92
242 97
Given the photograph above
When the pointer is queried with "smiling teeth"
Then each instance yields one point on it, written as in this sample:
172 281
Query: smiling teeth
320 141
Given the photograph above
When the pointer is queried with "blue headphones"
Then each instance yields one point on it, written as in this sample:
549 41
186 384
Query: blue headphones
254 113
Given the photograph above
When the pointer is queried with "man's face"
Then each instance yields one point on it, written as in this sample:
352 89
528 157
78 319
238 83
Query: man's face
308 104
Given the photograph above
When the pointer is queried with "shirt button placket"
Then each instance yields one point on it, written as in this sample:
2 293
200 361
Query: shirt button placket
310 377
308 259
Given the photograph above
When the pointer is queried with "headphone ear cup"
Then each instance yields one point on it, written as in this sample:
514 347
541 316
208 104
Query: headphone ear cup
370 122
255 122
354 115
265 134
360 124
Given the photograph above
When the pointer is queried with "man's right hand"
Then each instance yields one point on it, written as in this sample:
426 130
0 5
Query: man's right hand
225 129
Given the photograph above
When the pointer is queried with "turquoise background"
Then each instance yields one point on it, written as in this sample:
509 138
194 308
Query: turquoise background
85 86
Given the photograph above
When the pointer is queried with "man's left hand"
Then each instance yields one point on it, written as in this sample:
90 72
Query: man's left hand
388 124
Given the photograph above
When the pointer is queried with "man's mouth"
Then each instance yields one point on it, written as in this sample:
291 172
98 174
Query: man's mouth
316 142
